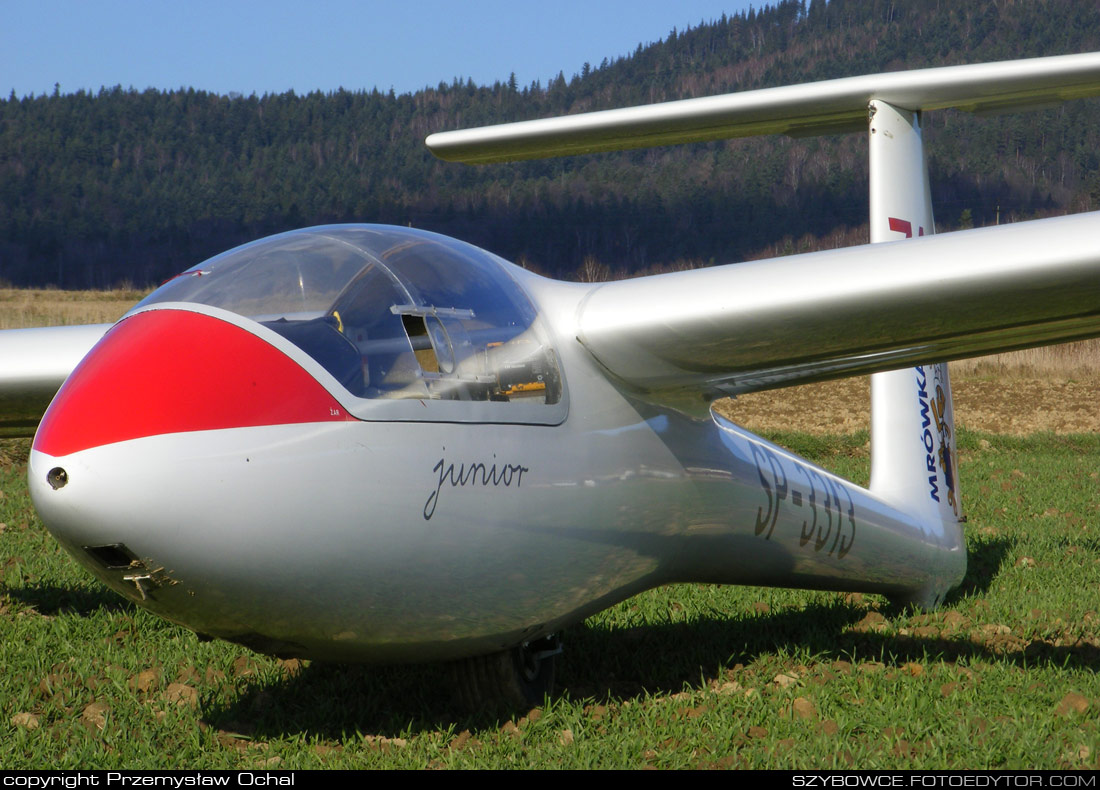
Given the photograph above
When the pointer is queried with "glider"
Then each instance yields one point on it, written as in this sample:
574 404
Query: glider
373 443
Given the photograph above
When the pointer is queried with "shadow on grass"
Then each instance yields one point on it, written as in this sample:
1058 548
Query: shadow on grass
984 560
336 701
52 600
609 665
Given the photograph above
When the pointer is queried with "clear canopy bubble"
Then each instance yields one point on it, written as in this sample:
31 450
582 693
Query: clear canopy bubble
390 312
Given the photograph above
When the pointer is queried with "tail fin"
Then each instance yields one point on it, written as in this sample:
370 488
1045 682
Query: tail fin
913 461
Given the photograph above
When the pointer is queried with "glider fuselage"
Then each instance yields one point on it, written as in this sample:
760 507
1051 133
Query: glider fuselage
326 533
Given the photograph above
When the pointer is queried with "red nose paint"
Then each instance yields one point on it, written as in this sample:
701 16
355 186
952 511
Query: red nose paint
171 371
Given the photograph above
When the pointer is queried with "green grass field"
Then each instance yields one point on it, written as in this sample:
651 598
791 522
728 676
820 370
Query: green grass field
1007 674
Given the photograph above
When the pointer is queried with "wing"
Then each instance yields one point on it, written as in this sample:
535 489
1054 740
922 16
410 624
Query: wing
799 110
766 324
804 318
35 364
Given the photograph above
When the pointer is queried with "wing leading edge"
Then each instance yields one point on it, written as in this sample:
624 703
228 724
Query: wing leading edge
767 324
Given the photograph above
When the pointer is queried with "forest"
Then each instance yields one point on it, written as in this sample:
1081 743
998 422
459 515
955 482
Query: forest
125 186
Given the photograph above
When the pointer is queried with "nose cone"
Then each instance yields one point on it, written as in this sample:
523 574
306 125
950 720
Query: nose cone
143 434
173 371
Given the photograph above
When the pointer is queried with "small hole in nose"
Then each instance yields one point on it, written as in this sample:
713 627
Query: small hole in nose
114 556
57 478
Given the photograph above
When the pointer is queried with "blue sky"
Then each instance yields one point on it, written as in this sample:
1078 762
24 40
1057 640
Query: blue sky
274 46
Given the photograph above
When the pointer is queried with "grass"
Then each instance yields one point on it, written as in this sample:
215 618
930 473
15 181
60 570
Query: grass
1067 360
20 308
1005 675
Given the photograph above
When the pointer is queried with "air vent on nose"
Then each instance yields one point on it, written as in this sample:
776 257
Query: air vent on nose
113 556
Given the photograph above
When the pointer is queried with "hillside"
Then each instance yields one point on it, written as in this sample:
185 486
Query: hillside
121 185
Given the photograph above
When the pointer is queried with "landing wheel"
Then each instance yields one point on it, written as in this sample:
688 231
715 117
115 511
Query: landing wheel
510 680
